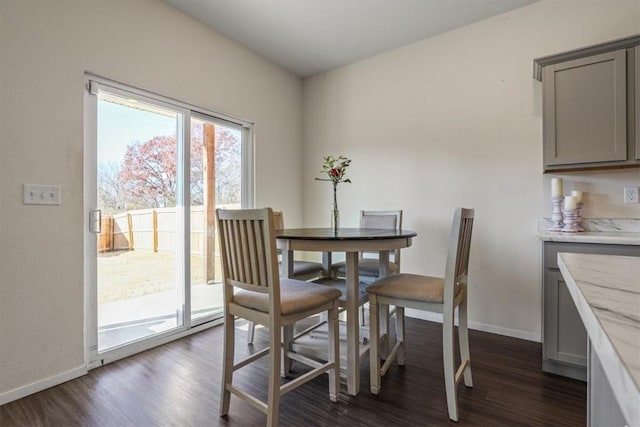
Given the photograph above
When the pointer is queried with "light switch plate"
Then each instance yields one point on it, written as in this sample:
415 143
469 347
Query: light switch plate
37 194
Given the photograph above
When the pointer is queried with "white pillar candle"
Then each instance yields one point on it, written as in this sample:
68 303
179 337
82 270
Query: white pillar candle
570 203
578 195
556 187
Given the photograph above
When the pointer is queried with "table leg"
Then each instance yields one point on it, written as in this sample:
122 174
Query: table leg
286 266
353 325
287 339
286 270
383 311
326 264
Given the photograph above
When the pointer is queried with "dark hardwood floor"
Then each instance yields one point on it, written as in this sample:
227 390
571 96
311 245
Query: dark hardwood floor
178 384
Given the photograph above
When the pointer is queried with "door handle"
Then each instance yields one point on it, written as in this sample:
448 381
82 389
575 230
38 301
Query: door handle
95 221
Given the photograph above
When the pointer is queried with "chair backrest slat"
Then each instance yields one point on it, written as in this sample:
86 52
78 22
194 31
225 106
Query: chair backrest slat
236 247
249 252
226 235
258 264
244 256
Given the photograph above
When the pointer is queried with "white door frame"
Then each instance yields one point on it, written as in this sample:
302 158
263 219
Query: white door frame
93 83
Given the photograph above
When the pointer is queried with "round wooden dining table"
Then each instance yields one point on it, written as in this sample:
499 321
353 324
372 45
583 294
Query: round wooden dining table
351 241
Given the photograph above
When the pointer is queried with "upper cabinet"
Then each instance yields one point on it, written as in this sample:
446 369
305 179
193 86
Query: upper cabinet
585 110
636 51
591 106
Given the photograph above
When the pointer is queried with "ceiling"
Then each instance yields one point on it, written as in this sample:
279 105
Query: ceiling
310 36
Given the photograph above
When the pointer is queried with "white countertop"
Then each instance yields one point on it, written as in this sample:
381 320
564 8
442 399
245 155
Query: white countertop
606 291
597 230
605 237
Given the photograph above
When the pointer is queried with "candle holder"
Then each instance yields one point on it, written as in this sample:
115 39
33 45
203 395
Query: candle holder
556 214
571 221
579 217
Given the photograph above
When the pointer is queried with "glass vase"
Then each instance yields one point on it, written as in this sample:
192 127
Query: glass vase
335 220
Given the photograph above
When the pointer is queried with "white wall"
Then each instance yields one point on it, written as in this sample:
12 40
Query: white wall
45 49
455 120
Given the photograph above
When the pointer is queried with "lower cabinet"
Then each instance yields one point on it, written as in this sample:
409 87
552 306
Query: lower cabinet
564 339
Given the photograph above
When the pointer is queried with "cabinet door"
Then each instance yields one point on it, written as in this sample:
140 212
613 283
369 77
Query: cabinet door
637 100
585 110
564 339
565 335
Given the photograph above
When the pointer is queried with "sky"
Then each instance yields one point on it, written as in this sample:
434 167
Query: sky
120 125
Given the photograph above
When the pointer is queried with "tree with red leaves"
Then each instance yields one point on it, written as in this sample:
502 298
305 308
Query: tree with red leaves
148 173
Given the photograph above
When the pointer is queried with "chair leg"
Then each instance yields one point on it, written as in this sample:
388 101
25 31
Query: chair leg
448 357
273 401
227 363
334 354
374 345
463 338
287 338
400 334
251 328
383 315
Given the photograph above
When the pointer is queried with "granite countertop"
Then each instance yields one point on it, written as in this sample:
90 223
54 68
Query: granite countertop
597 230
606 291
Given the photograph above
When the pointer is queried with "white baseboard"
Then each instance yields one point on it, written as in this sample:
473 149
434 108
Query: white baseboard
514 333
20 392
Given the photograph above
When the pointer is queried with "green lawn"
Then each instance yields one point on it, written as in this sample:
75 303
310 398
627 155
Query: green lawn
130 274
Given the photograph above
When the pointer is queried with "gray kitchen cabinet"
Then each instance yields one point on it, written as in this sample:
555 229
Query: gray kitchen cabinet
585 110
636 82
589 103
564 339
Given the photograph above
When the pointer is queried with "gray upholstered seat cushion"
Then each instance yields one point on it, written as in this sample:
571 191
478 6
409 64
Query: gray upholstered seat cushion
341 285
305 268
366 267
413 287
296 296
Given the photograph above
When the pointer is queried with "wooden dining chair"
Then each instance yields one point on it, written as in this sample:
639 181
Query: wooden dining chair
302 270
368 263
434 294
253 290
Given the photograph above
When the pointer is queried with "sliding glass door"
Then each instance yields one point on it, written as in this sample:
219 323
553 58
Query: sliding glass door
156 171
216 182
139 281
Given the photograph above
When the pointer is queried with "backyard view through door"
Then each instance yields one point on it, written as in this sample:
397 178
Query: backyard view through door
215 186
146 267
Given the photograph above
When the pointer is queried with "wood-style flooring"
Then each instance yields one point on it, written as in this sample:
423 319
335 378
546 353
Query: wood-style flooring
178 384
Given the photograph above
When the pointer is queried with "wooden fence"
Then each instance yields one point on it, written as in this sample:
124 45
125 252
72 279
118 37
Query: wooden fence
150 229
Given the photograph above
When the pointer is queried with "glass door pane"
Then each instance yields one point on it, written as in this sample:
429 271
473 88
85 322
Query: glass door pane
216 181
139 268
